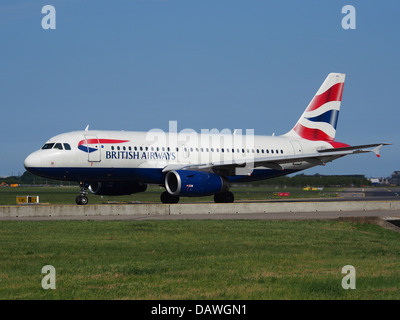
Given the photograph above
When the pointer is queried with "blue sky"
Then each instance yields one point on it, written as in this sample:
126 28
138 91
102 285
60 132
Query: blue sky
136 65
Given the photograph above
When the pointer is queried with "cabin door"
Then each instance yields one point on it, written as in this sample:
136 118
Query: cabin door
298 150
93 147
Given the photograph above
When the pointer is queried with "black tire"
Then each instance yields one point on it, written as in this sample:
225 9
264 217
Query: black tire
218 198
81 200
225 197
230 198
84 200
168 198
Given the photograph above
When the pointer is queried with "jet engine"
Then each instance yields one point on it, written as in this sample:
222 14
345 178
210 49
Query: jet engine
194 183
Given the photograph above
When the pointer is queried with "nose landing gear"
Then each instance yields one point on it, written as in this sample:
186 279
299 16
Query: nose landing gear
82 199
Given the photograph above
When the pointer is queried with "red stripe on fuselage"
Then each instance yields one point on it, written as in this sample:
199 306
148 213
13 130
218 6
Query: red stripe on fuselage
97 141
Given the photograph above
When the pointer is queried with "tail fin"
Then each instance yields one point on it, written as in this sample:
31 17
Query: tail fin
318 122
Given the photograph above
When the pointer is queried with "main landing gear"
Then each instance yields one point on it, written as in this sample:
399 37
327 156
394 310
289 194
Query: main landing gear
82 199
168 198
223 197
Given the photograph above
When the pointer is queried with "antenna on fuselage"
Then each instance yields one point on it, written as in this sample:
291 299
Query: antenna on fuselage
87 128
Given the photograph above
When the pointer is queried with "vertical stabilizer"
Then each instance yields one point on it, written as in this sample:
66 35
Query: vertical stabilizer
319 120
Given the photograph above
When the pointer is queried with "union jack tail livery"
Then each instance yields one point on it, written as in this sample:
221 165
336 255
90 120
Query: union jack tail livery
319 120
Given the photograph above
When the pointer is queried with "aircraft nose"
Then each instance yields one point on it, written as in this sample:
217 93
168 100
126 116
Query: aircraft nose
33 161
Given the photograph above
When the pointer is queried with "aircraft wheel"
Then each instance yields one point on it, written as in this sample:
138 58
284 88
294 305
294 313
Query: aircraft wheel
225 197
168 198
230 197
81 200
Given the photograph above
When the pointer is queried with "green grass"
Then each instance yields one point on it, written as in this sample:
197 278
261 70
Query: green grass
67 195
234 259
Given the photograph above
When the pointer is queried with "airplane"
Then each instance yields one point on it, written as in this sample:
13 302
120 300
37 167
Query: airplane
191 164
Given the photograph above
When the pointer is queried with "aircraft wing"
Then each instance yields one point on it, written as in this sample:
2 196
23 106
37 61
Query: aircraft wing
246 165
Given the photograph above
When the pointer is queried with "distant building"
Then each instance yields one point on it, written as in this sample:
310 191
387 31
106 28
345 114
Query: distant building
375 181
379 181
395 178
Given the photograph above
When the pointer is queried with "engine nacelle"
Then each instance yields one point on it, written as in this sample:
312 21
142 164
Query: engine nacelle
116 188
194 183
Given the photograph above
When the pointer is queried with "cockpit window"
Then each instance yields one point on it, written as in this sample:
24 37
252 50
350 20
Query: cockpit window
48 146
58 146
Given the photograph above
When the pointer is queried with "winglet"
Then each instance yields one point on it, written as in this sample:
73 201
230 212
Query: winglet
377 150
87 128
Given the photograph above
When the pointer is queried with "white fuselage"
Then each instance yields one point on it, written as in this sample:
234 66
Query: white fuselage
116 155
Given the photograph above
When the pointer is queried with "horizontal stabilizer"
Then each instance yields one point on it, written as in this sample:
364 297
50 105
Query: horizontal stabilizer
358 149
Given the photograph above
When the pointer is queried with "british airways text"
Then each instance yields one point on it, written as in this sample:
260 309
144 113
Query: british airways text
137 155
